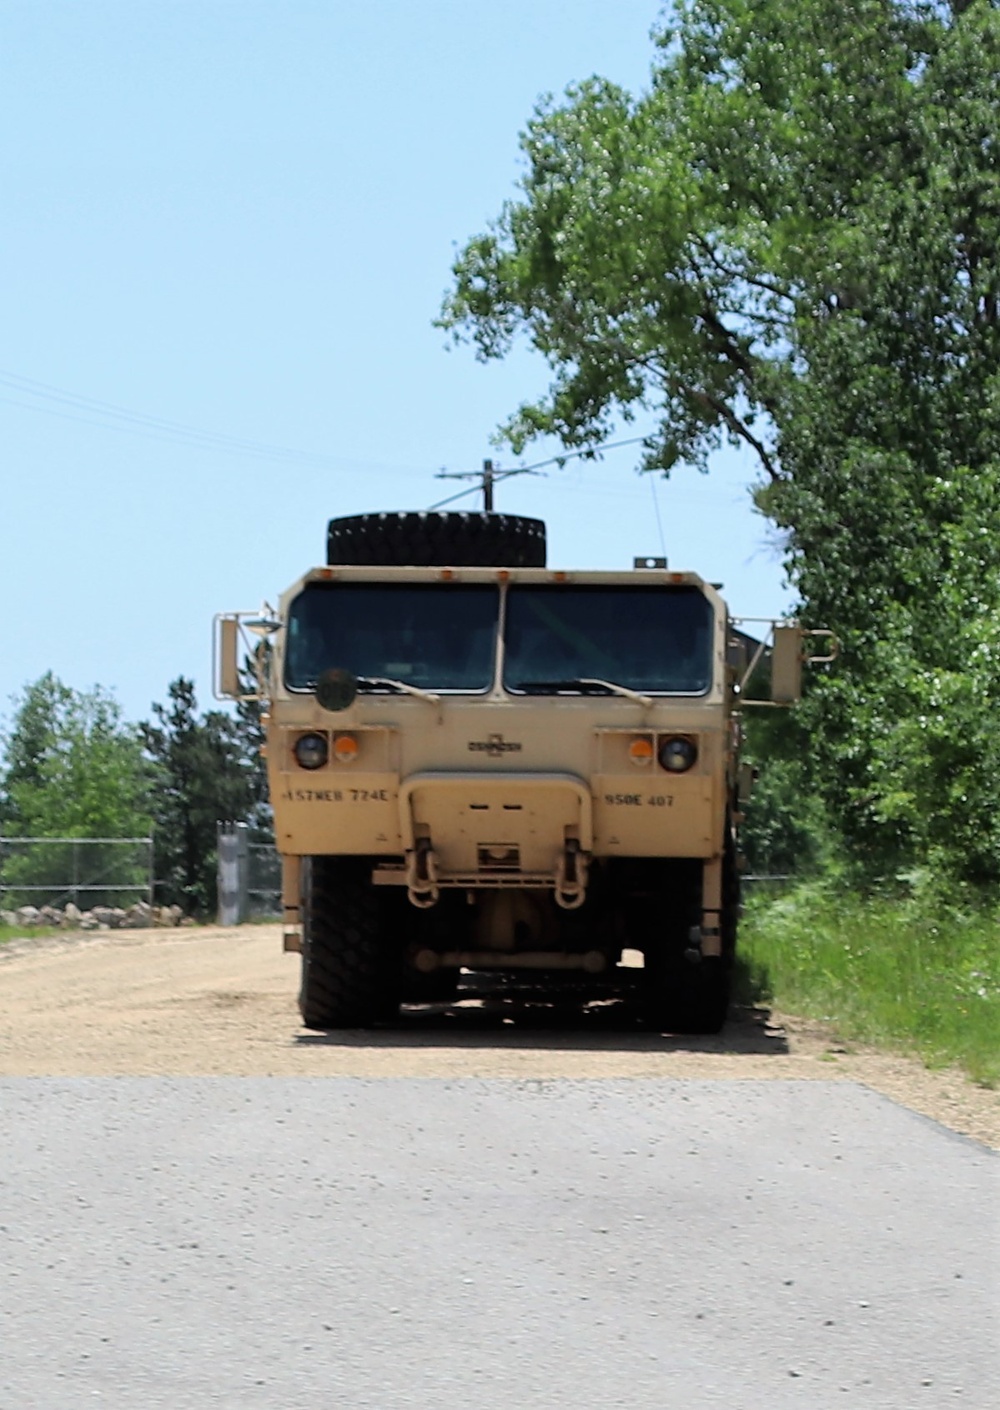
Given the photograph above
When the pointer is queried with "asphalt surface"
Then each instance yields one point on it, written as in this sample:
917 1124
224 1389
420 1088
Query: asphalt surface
404 1242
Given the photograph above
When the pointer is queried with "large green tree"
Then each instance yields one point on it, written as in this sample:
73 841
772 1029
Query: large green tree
72 766
203 775
663 247
72 769
791 241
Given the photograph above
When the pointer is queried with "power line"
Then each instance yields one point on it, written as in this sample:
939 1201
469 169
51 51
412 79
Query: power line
91 411
66 405
592 451
491 475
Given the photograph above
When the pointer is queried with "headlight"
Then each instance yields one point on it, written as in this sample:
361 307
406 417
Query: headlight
677 753
311 751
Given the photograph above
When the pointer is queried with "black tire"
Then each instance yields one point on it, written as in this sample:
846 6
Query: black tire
732 896
690 994
349 974
435 540
692 997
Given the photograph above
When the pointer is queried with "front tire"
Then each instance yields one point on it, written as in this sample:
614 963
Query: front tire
685 993
691 996
349 977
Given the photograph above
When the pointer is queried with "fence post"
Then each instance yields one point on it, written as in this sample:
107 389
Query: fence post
151 871
243 852
232 873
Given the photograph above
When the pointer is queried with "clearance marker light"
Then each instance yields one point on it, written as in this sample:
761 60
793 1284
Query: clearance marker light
345 748
640 751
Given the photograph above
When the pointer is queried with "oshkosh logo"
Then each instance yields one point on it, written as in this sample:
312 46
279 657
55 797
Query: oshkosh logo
495 746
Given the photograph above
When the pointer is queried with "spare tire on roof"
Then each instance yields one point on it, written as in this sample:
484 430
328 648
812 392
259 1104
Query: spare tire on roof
432 539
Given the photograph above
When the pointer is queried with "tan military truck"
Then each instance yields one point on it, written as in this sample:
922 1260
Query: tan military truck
480 765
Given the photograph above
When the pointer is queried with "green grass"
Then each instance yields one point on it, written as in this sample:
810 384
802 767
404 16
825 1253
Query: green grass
920 975
24 932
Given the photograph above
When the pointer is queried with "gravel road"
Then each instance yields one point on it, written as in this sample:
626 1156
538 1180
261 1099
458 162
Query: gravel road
205 1206
222 1002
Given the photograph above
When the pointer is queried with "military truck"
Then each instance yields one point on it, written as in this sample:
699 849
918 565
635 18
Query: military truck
483 766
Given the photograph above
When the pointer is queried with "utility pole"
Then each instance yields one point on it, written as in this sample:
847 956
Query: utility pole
489 477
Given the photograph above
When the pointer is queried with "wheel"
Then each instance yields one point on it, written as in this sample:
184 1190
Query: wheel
685 993
349 971
691 996
732 892
437 540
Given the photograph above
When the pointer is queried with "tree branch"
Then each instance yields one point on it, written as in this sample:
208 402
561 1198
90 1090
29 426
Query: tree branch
777 290
738 427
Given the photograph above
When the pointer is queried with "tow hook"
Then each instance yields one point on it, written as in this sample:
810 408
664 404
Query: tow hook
704 942
571 876
421 875
693 953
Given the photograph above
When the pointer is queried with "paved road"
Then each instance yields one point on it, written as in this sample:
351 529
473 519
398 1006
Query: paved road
432 1242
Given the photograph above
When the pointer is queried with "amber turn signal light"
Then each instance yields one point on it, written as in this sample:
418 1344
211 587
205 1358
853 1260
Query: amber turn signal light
640 751
345 748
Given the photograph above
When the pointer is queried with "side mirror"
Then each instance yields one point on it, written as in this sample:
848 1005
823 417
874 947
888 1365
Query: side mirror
227 660
786 665
336 689
230 643
789 650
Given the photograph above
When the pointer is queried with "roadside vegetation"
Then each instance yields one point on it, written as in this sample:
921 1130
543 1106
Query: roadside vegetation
18 932
919 973
803 261
72 767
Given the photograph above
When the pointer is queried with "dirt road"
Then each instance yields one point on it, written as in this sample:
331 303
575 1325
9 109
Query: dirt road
222 1002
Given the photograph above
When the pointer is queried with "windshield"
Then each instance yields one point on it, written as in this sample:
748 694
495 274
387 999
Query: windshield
429 635
572 638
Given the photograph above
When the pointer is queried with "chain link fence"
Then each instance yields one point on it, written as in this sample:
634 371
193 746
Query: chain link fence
249 876
89 871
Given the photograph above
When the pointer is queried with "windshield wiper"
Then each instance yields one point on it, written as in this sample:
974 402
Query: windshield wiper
387 683
583 684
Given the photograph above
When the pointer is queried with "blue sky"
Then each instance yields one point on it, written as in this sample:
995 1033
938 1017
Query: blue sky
238 216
